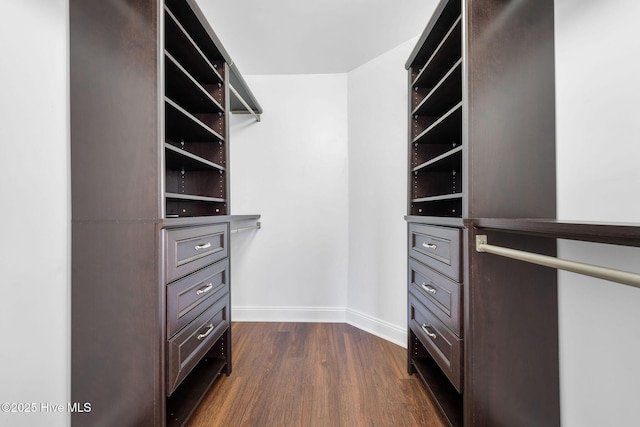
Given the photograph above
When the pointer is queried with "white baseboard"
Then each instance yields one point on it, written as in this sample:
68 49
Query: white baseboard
289 314
377 327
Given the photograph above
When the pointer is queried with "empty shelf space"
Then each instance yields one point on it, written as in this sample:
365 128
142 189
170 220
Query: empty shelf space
446 54
446 128
442 178
445 396
192 197
203 185
178 206
182 87
213 152
185 399
446 161
439 99
440 206
176 159
442 20
182 125
181 45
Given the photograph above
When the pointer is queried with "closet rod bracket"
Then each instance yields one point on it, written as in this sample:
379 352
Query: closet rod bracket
619 276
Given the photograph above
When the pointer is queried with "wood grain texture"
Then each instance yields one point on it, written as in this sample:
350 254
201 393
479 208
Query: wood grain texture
512 343
315 374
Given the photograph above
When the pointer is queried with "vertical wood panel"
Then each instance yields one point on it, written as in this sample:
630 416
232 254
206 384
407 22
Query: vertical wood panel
513 342
114 109
511 105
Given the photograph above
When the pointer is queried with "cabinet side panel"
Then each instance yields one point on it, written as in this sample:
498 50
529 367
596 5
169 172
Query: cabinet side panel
114 109
512 341
511 109
115 332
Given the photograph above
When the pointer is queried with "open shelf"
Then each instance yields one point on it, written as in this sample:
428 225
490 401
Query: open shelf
188 92
445 161
182 125
444 95
436 142
439 177
181 45
447 128
188 396
181 205
446 54
443 18
445 395
177 159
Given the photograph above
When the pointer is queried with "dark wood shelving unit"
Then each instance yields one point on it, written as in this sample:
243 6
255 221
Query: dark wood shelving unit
481 144
150 99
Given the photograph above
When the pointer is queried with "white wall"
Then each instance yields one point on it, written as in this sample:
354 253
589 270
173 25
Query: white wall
292 169
330 185
377 299
34 192
598 147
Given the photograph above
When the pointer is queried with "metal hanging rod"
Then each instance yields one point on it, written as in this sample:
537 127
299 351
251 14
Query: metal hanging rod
252 227
624 277
246 105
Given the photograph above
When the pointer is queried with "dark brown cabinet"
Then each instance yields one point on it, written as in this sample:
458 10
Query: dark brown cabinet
482 145
150 97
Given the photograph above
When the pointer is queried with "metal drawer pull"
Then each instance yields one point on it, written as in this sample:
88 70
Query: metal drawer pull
430 289
429 245
206 333
203 246
204 289
430 334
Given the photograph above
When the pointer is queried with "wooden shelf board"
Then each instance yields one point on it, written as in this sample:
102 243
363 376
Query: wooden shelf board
193 119
437 198
197 163
627 234
444 118
193 197
192 42
454 33
435 92
190 84
443 157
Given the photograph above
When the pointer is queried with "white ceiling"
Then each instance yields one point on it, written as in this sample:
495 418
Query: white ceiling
313 36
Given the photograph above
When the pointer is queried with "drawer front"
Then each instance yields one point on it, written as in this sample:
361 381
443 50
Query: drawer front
187 348
438 293
442 344
437 247
189 249
188 297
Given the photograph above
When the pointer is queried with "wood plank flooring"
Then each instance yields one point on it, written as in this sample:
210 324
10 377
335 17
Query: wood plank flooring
315 374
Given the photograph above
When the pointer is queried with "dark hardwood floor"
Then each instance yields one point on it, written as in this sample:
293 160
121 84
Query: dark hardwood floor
315 374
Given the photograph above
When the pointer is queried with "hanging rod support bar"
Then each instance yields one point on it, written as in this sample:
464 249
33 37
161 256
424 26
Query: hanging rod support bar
257 226
624 277
246 105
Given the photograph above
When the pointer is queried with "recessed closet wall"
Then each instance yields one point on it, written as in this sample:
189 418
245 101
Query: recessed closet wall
292 168
325 171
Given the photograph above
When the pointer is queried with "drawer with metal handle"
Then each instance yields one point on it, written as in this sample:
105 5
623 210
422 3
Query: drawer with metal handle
189 249
443 346
188 297
437 247
438 293
185 350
